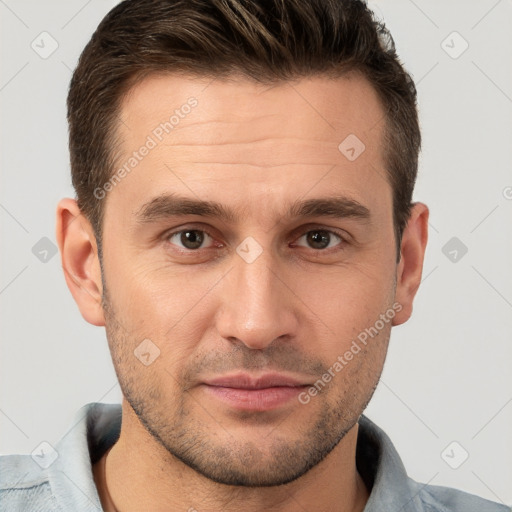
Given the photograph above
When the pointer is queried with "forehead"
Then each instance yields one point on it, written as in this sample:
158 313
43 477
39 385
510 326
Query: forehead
330 107
245 140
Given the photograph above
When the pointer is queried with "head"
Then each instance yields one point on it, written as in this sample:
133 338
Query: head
244 175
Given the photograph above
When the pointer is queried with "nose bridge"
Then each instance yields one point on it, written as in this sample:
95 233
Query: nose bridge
257 306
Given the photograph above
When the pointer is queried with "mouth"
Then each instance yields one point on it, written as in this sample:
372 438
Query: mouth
249 393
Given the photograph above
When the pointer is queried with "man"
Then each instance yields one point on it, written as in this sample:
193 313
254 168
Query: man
244 231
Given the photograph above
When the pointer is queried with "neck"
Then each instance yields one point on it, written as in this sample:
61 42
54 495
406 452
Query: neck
139 474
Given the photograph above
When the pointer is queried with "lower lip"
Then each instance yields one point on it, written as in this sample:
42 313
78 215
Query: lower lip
255 399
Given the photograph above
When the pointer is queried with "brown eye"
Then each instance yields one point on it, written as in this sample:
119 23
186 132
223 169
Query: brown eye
320 239
190 239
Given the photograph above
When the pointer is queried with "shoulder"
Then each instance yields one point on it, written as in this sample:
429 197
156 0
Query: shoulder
24 485
437 498
381 467
60 478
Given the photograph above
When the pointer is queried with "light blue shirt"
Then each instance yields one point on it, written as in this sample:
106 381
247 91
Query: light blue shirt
61 478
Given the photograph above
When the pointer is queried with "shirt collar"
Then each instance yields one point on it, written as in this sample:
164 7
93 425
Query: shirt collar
95 427
382 469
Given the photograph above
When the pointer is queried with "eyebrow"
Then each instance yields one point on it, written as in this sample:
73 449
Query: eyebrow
172 205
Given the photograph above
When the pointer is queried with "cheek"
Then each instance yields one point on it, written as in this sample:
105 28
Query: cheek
170 307
150 292
356 341
346 298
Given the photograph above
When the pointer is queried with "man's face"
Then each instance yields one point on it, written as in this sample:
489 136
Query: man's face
271 288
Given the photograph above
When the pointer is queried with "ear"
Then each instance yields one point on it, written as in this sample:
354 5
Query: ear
80 262
409 269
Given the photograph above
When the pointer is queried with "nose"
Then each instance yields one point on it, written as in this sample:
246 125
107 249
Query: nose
258 305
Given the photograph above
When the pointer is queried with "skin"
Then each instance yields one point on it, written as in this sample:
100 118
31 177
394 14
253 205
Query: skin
294 309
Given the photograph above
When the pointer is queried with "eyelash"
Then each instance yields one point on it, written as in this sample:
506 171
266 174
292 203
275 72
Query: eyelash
342 240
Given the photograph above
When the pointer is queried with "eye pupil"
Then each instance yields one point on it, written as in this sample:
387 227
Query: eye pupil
192 239
318 238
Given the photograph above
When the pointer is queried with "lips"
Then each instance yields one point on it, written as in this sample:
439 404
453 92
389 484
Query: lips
250 393
246 381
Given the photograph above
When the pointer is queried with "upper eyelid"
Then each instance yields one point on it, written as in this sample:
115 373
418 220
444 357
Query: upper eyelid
168 234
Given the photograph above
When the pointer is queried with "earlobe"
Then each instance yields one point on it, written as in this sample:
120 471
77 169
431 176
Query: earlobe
410 267
79 259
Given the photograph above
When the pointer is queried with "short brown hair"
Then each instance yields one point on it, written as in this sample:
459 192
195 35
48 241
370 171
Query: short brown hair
268 41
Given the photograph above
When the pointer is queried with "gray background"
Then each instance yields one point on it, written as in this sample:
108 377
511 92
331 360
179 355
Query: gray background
447 377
